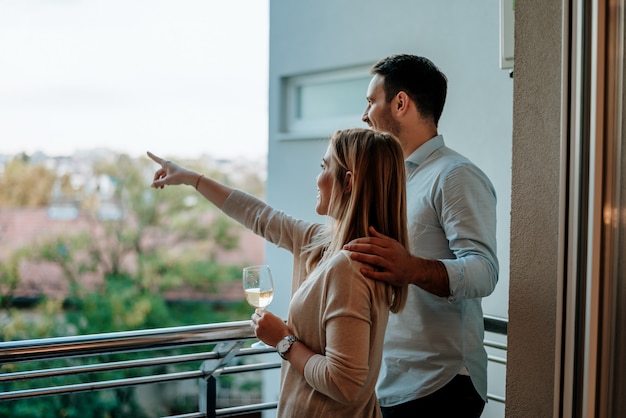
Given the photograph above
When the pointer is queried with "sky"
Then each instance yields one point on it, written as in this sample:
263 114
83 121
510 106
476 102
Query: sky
176 77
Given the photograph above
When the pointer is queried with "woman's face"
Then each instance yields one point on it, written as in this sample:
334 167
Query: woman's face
325 182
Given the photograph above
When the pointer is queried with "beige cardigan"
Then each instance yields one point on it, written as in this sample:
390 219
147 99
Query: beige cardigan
339 314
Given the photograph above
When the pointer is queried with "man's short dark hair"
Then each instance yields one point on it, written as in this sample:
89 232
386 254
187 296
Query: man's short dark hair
419 78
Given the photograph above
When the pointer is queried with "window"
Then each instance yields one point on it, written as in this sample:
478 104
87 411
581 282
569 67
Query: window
319 103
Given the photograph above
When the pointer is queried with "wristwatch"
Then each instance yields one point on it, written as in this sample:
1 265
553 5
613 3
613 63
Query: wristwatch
285 344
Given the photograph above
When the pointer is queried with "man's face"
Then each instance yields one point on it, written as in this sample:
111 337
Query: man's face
378 111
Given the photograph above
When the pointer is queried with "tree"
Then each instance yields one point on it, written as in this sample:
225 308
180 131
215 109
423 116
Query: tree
25 185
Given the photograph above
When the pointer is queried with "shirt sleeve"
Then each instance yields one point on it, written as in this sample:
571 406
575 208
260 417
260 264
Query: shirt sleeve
468 216
341 372
275 226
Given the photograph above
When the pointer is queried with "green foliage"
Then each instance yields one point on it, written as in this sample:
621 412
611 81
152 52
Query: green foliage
162 241
107 404
25 185
67 253
9 278
48 322
203 275
121 305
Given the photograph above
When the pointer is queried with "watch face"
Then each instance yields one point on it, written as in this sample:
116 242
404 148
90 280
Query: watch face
282 346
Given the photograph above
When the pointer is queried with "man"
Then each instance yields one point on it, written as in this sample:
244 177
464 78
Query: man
434 361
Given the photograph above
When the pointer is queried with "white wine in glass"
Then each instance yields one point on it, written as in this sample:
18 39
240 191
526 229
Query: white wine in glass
258 285
259 290
258 297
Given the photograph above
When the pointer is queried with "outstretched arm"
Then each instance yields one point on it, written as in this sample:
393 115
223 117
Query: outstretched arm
172 174
391 262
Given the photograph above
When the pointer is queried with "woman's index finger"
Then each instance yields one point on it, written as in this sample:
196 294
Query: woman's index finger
155 158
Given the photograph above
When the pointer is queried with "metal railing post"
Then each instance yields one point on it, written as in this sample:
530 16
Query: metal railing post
208 396
211 369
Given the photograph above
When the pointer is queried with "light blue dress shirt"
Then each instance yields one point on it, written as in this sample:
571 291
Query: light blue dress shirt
451 208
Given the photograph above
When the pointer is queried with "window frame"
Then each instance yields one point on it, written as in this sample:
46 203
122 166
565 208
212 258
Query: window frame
294 127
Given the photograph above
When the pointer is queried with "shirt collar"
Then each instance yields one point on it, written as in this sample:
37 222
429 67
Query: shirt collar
423 151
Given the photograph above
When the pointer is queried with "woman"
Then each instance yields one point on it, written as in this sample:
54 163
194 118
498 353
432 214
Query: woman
332 341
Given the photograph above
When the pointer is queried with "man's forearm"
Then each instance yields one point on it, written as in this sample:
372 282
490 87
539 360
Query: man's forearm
432 276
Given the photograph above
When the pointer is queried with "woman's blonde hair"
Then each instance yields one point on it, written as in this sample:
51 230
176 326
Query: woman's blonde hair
377 196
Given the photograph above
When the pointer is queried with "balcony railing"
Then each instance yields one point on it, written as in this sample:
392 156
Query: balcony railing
495 349
219 345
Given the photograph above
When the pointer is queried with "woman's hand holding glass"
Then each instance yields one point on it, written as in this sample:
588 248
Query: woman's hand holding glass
259 289
268 327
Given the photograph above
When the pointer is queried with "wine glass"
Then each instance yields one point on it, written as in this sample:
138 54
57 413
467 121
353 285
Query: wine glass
258 287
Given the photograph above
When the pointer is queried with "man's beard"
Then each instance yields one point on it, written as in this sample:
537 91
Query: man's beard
387 123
